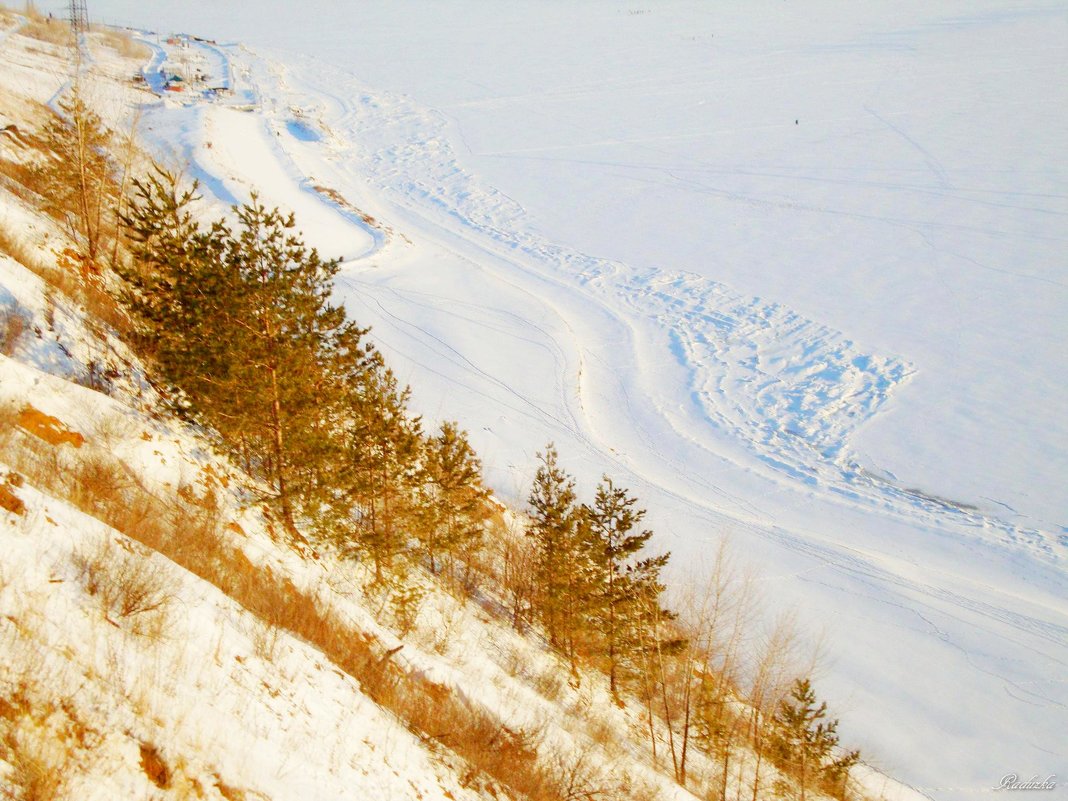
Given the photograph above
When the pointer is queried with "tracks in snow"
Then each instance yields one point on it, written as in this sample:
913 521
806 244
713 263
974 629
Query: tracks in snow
764 387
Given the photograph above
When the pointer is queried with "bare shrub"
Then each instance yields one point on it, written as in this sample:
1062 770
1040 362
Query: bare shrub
265 640
635 789
99 484
63 276
579 775
600 729
550 683
576 776
128 585
109 431
443 632
510 561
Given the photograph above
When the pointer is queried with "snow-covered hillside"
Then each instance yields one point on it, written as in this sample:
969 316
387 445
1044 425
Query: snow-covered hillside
796 275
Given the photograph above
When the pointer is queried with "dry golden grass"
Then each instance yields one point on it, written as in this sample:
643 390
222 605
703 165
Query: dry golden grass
44 739
154 767
52 31
48 428
10 501
40 26
62 275
16 247
496 755
9 417
121 42
37 763
40 732
192 536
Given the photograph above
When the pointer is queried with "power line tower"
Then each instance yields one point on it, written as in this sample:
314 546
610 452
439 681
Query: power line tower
79 17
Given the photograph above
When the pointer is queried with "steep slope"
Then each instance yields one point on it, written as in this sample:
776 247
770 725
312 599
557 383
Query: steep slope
161 637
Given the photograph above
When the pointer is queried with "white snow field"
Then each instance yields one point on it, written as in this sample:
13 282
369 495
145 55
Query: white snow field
796 273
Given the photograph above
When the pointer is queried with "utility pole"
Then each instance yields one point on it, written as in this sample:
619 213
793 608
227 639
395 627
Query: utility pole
79 17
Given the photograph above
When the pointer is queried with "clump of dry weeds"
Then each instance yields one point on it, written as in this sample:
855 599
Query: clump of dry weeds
130 586
60 272
49 30
121 42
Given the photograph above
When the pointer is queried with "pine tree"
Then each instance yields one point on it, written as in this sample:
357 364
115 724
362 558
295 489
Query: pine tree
178 294
805 740
454 506
288 328
242 323
629 587
836 773
355 368
383 466
565 559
